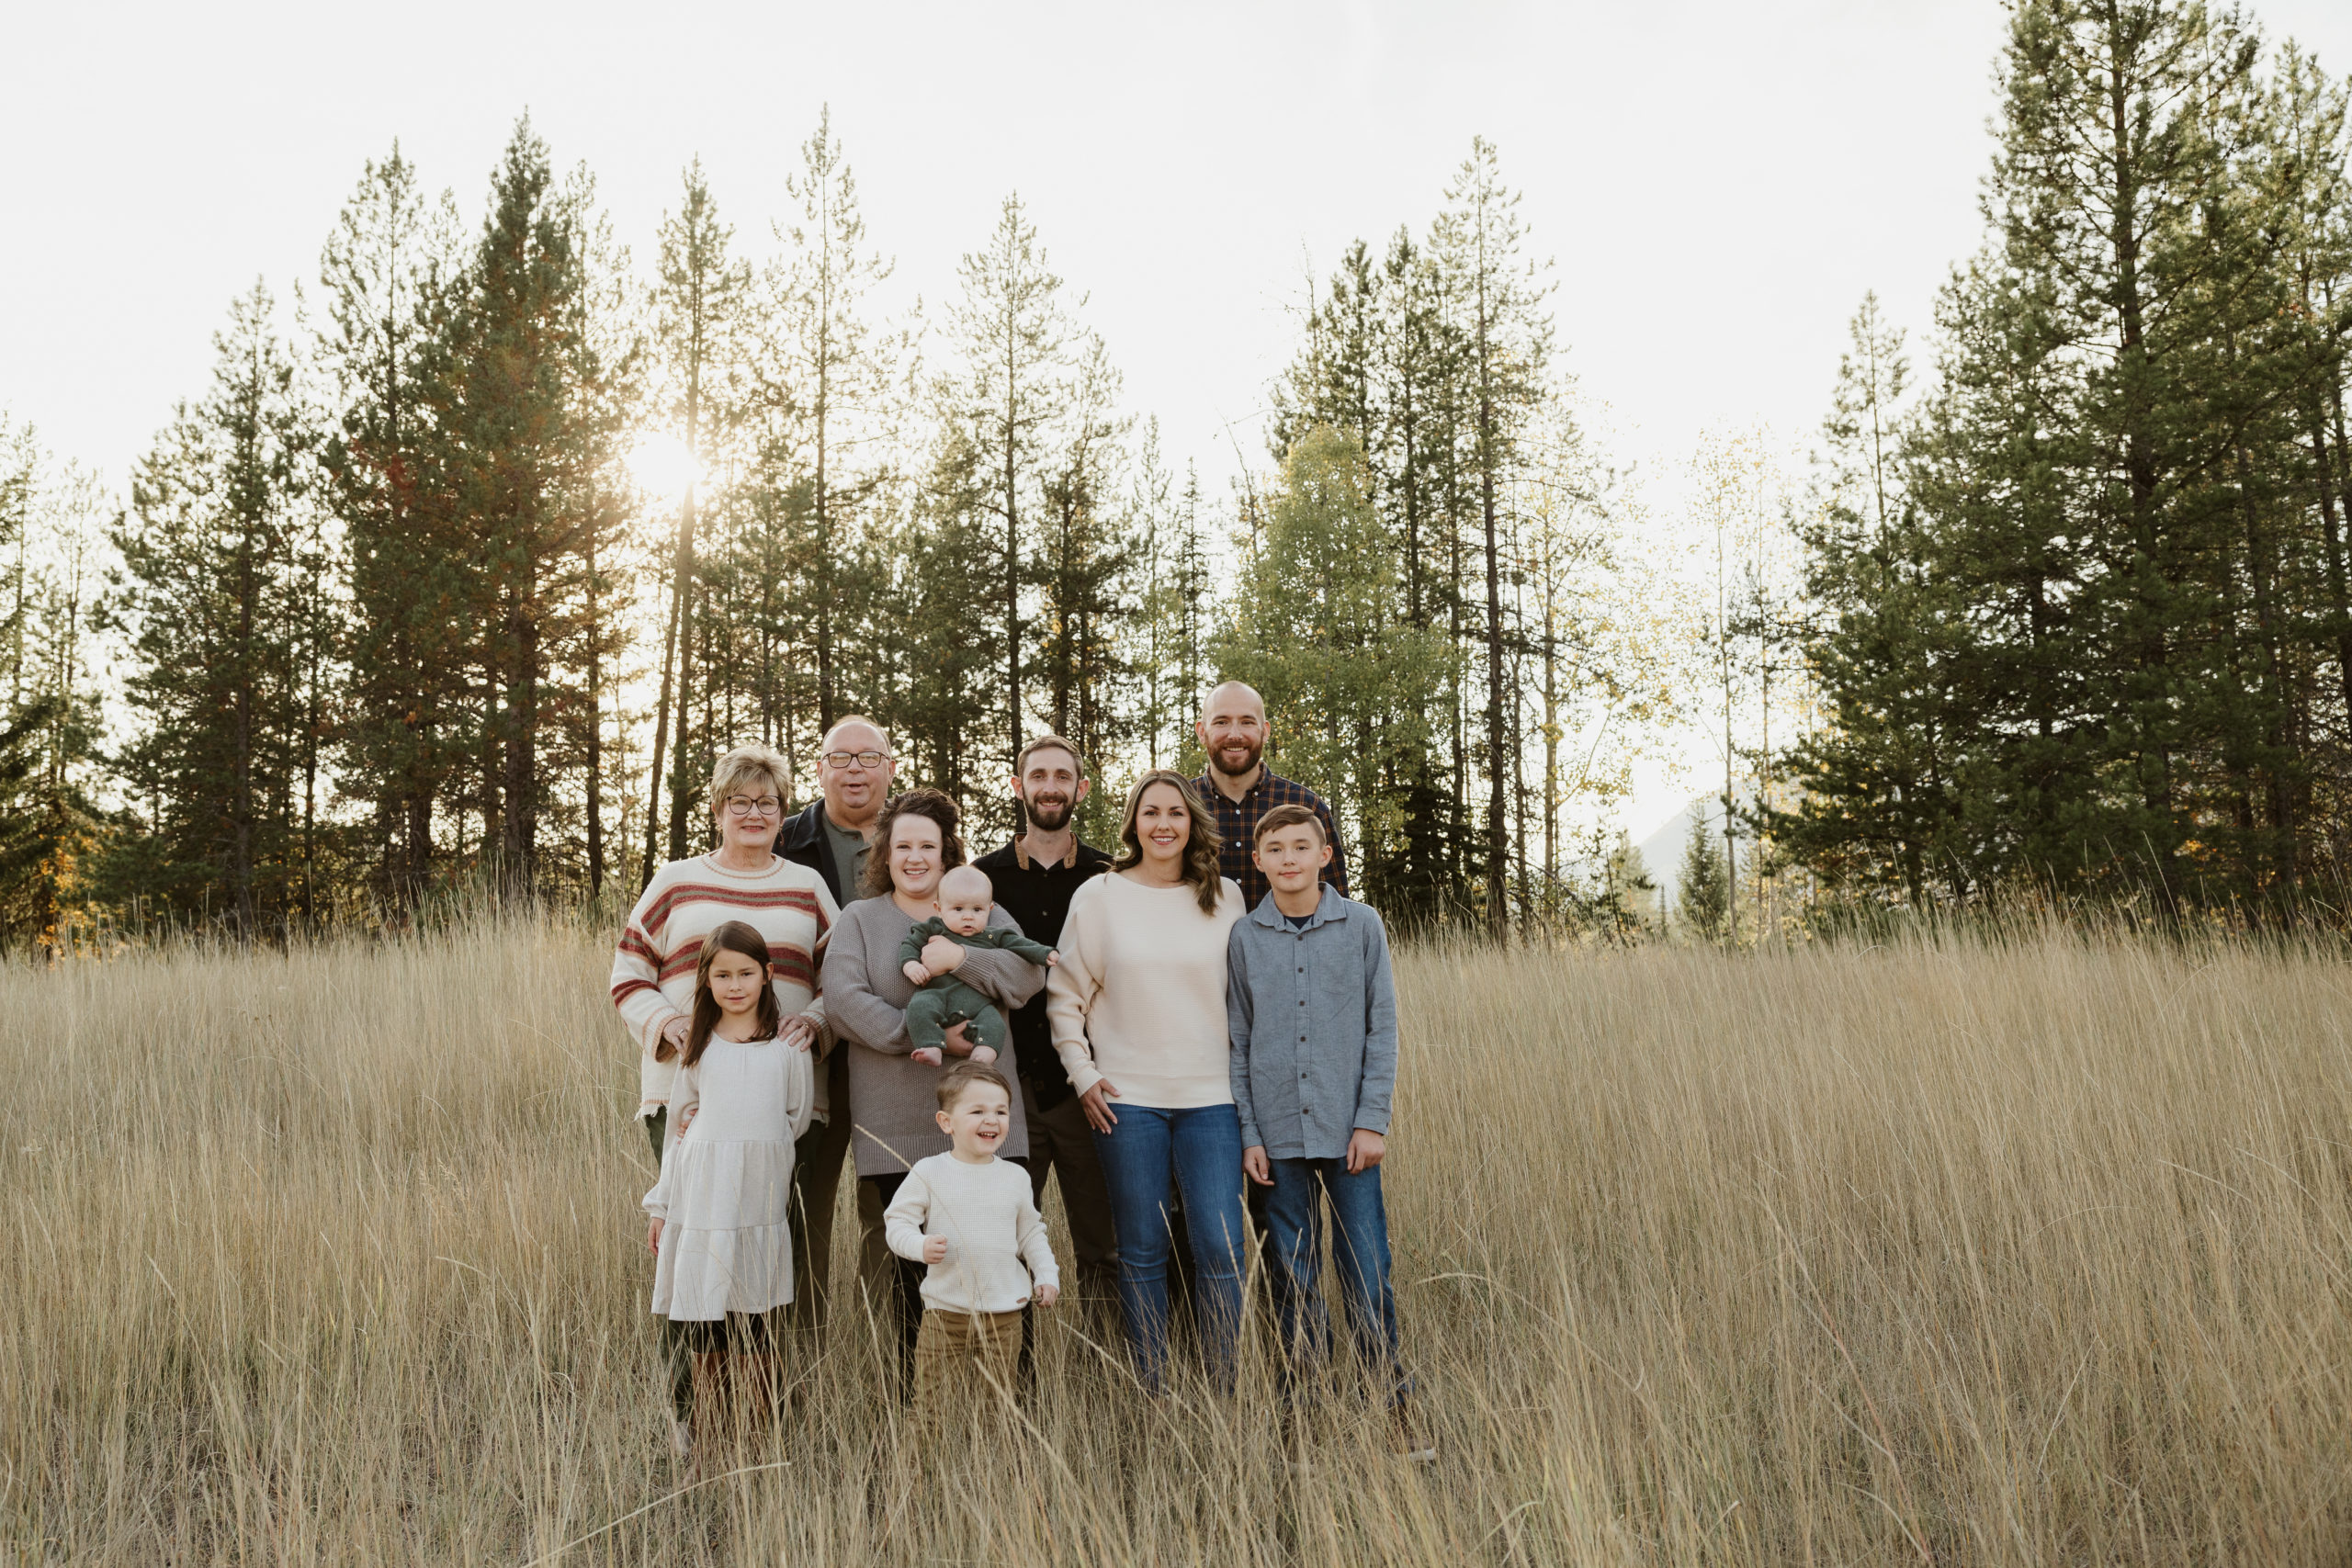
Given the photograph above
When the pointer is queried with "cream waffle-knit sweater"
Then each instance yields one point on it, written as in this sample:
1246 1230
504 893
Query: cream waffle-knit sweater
1139 995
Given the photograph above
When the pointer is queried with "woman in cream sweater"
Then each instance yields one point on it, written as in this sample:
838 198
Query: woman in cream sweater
1137 1006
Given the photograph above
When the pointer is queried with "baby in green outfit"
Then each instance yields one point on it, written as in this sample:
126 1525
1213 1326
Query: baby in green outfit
943 1001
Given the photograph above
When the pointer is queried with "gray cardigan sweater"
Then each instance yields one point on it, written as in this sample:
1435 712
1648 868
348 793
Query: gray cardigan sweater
1312 1014
892 1100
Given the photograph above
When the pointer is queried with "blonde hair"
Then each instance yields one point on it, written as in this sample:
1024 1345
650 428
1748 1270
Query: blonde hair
741 766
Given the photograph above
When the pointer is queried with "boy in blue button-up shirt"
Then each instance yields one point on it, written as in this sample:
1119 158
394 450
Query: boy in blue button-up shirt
1312 1011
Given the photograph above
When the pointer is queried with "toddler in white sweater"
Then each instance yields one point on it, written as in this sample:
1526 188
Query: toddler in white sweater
970 1217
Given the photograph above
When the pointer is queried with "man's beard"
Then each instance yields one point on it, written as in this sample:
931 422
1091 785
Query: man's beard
1216 761
1051 814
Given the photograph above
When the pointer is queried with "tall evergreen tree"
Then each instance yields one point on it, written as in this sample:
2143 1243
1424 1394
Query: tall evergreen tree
391 272
210 599
1315 630
701 302
1507 338
1702 894
831 369
1011 391
524 445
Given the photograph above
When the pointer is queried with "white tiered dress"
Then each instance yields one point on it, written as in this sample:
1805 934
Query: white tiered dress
725 1187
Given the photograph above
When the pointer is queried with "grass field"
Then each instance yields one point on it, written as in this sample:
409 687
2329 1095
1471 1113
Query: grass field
2023 1253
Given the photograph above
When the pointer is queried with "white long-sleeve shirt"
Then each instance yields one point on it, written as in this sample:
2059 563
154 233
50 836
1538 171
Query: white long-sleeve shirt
997 1250
1139 995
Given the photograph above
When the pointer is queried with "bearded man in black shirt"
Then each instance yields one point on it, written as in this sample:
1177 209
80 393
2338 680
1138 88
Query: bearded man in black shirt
1034 876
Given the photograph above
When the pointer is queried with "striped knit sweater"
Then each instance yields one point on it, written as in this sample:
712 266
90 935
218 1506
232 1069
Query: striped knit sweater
654 968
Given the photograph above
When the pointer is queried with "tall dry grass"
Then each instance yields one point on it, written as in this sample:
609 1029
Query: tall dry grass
2019 1253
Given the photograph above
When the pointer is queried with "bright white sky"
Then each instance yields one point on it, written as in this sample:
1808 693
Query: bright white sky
1718 180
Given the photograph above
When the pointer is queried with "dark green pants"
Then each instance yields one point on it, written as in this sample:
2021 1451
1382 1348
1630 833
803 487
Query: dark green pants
941 1005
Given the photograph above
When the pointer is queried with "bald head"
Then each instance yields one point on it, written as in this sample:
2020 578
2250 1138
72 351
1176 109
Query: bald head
1235 696
854 767
1233 731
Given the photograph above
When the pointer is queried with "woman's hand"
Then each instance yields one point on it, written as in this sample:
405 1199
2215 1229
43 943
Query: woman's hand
653 1235
798 1031
940 955
934 1249
673 1038
955 1043
1097 1104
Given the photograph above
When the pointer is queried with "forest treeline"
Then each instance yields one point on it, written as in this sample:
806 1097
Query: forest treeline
473 557
488 536
2077 608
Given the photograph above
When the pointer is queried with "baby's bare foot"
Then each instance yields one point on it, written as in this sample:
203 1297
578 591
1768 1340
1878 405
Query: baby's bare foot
929 1055
983 1055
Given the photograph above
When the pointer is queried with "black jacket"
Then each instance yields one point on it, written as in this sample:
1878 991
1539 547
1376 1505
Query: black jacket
803 841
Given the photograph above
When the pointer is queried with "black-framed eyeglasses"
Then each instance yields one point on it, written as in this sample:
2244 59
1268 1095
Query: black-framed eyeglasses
753 805
867 760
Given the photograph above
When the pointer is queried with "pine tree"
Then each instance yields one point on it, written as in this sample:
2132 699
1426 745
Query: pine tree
209 600
1507 338
1012 391
1314 629
1703 898
1084 554
391 274
832 372
524 445
606 377
700 306
50 832
1878 815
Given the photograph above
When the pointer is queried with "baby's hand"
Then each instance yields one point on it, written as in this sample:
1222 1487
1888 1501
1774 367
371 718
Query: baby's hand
934 1249
929 1055
1052 959
1049 1294
983 1055
915 973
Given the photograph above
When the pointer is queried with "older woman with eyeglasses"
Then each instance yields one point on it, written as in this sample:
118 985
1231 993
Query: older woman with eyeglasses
653 969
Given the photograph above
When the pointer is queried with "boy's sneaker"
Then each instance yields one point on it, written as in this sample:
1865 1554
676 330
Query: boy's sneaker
1404 1442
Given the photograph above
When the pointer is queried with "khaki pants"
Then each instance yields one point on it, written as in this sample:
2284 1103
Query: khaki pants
964 1364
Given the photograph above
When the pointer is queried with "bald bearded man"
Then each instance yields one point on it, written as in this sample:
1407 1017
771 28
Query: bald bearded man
1239 788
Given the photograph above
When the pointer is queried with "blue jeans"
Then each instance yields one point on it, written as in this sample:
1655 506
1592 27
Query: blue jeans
1360 1251
1147 1157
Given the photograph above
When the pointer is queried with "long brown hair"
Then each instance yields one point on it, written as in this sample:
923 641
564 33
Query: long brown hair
730 936
928 802
1201 845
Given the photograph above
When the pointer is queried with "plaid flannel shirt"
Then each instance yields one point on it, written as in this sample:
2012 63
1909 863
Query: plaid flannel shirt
1236 824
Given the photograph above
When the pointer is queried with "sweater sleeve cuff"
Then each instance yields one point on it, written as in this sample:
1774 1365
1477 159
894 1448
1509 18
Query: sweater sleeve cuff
1081 1070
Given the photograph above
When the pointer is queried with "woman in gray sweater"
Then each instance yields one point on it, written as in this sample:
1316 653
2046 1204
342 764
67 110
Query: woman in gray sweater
866 995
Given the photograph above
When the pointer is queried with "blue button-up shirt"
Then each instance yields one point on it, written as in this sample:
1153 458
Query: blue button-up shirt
1312 1012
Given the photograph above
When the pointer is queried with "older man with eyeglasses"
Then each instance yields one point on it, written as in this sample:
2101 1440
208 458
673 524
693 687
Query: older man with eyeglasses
830 837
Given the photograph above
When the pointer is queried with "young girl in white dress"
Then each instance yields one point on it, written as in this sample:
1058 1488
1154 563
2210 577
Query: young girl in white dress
721 1232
